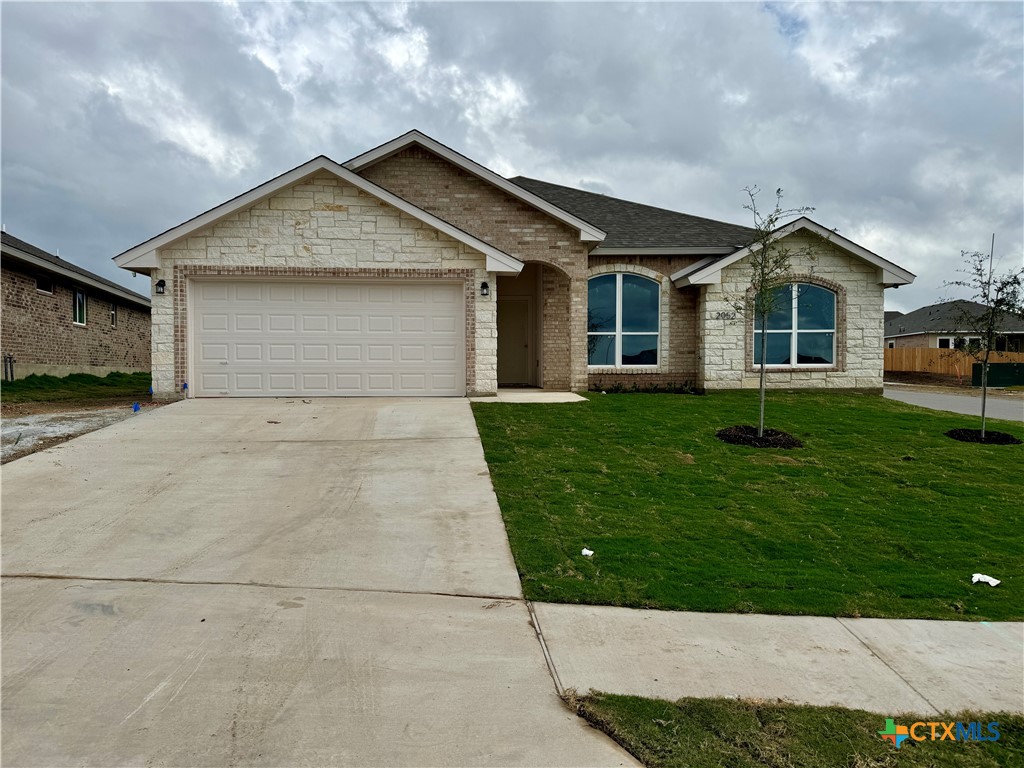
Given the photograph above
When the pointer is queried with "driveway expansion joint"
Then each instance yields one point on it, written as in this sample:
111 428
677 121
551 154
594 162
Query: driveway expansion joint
535 621
257 584
935 709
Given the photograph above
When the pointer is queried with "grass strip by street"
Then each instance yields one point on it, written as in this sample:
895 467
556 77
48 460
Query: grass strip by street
878 515
699 733
78 387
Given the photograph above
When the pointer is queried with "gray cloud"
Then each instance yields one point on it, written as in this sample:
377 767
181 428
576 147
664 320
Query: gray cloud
900 122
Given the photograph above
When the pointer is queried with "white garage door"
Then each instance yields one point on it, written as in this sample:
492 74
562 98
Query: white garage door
254 339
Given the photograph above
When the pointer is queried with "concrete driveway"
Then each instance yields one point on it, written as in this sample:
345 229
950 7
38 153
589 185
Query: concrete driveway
271 582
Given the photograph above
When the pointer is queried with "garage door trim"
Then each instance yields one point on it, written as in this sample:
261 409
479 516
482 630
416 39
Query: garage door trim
462 348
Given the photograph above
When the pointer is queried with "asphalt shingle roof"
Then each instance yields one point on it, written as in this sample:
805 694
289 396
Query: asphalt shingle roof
634 225
944 318
57 261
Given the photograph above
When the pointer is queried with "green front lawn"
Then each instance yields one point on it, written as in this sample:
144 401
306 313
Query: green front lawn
76 387
719 732
878 515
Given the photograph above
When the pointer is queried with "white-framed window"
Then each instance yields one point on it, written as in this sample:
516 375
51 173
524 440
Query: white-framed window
891 345
113 315
802 329
958 342
44 284
623 321
78 308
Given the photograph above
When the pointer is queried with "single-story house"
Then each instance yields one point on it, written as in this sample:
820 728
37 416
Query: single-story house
940 326
58 318
413 270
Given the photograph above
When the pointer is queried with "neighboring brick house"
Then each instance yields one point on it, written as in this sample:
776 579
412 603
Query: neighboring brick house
941 326
413 270
58 318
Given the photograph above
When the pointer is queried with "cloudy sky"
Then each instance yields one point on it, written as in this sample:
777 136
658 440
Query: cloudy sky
901 123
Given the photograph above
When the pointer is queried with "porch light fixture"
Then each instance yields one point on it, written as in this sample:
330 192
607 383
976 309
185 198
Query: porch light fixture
160 286
485 289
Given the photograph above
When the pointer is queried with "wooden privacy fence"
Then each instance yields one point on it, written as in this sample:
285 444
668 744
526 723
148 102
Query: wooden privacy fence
942 361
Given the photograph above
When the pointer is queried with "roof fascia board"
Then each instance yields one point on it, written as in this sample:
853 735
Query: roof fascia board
889 274
73 276
588 232
144 255
663 251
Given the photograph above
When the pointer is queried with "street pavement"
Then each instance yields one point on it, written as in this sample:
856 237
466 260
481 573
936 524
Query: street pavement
1009 406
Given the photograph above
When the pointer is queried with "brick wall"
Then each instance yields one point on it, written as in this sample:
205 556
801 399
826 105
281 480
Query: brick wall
37 329
677 352
434 184
727 345
321 228
917 341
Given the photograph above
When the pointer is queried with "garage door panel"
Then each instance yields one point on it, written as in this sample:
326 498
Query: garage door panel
215 322
249 292
316 382
213 291
328 339
315 353
380 383
248 383
213 352
412 353
314 323
214 381
248 352
348 323
282 352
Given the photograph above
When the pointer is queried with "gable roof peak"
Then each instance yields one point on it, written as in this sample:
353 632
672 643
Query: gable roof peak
588 232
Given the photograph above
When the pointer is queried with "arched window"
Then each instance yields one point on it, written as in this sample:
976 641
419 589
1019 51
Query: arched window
623 316
801 329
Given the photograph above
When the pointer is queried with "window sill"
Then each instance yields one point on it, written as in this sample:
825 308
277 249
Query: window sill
78 325
795 368
624 369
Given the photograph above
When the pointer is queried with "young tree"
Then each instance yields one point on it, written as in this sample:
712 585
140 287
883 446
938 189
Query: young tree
1000 296
770 270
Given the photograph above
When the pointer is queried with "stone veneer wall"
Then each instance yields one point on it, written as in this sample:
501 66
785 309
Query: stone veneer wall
39 332
435 185
678 342
319 228
726 353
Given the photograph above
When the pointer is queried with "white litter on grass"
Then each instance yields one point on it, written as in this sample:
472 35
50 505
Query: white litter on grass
589 552
982 577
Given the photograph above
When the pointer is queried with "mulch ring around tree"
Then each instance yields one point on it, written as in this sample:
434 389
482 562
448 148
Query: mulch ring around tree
991 437
747 435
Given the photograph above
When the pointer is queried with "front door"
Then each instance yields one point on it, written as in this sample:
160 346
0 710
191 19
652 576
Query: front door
514 342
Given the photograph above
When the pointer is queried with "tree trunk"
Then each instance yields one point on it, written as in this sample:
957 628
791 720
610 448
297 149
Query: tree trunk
984 392
764 351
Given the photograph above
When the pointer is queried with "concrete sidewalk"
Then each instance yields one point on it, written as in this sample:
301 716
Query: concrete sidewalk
880 665
1000 405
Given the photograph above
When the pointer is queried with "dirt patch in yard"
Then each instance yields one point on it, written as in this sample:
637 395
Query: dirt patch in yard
8 409
929 379
974 436
30 427
747 435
